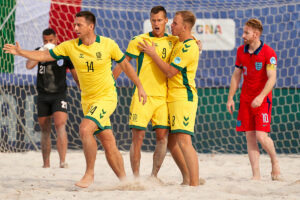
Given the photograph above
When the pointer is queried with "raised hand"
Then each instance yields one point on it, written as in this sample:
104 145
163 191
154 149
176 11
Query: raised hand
12 49
147 48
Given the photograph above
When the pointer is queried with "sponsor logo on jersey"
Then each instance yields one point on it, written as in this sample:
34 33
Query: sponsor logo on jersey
81 55
177 60
258 66
273 60
60 62
239 123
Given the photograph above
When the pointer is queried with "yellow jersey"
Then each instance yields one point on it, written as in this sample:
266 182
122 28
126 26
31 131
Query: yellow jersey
185 57
93 65
152 78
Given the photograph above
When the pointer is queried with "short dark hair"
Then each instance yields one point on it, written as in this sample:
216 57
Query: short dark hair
157 9
49 31
89 16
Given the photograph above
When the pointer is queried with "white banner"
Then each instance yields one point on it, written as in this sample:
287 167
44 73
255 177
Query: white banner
215 34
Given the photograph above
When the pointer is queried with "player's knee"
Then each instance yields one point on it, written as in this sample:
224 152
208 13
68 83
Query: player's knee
137 138
161 140
84 131
45 129
262 138
60 127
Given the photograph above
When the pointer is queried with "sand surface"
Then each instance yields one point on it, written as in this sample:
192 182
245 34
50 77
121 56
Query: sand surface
227 177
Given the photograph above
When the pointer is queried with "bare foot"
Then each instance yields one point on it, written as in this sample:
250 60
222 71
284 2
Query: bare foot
155 179
63 165
255 178
187 182
275 174
46 166
86 181
201 181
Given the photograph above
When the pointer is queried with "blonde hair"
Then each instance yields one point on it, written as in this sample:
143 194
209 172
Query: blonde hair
256 24
187 16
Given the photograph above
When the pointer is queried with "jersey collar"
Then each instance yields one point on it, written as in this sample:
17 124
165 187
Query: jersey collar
256 52
97 40
187 40
151 34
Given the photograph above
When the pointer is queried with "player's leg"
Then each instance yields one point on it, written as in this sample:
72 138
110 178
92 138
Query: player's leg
45 124
59 110
190 157
182 121
113 155
97 118
263 124
253 154
268 145
86 131
178 158
60 120
160 149
246 123
44 118
161 125
135 150
139 118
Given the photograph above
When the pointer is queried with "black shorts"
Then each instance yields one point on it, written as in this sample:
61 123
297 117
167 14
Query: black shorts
48 104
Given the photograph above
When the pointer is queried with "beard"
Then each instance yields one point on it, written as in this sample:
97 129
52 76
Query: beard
248 41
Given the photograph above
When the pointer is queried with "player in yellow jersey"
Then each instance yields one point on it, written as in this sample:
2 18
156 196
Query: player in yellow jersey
91 55
155 85
182 95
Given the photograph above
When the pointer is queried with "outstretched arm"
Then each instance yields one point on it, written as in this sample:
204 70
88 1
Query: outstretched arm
166 68
129 71
31 64
40 56
234 85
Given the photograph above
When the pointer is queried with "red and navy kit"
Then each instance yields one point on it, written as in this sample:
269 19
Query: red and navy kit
254 68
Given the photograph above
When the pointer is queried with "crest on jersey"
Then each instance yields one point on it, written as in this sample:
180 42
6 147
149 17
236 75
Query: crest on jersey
98 55
60 62
177 60
273 60
258 66
170 44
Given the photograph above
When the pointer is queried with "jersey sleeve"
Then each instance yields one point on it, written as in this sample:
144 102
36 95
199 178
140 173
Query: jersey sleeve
183 57
132 49
116 53
238 62
271 60
59 51
69 64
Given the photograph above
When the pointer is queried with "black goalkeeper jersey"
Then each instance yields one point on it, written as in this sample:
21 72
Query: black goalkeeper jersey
51 76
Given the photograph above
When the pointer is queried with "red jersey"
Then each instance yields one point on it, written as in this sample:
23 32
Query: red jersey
254 68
